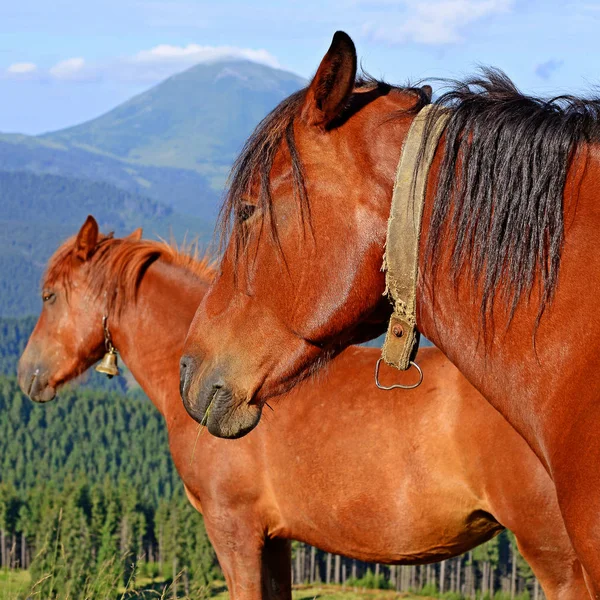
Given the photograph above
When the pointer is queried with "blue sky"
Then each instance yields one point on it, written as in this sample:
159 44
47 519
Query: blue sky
62 62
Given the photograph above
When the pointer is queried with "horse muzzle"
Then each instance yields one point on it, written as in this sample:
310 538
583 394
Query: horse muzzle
212 402
34 382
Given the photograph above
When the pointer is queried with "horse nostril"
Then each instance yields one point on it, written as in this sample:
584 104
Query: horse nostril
184 368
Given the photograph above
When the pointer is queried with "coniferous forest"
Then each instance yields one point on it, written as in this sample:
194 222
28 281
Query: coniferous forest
91 506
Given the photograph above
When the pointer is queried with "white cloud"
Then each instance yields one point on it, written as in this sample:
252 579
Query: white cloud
23 68
69 69
164 60
146 66
434 23
194 53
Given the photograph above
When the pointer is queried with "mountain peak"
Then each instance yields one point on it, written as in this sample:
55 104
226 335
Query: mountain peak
195 119
230 71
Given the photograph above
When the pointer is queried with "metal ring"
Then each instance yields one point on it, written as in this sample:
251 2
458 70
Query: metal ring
399 386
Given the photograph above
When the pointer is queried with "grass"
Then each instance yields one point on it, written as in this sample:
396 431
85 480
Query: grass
302 592
15 583
336 592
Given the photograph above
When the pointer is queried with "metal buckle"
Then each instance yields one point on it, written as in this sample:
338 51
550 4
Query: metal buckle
400 386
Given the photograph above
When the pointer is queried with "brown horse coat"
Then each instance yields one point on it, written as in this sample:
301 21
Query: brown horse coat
396 477
510 223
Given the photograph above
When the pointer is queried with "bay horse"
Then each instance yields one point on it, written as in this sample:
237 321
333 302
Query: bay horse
449 472
508 274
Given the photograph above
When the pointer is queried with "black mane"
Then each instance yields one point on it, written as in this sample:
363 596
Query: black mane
500 187
501 184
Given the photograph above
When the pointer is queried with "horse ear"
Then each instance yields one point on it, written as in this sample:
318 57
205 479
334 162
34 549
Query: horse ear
135 236
87 238
331 87
428 91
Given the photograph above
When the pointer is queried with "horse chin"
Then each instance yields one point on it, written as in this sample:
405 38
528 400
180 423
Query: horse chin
47 394
223 414
233 422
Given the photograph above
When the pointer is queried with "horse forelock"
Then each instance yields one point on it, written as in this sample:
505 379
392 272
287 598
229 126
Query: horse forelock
500 187
251 171
117 266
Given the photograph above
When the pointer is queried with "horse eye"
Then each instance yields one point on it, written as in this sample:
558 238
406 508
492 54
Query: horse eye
48 297
246 211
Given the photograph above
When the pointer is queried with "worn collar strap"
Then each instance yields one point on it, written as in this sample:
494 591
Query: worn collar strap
401 258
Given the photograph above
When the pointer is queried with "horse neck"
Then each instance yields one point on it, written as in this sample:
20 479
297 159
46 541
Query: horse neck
149 334
502 361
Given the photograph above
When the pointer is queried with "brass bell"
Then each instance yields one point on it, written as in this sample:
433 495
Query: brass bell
109 366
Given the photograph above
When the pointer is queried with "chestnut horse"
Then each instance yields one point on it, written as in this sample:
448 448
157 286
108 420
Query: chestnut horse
509 245
449 472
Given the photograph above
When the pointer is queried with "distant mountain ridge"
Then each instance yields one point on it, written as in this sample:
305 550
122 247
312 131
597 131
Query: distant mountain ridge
174 142
31 197
159 160
184 190
197 119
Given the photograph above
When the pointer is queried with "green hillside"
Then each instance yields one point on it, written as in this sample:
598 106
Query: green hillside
198 119
37 212
27 196
174 143
185 190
